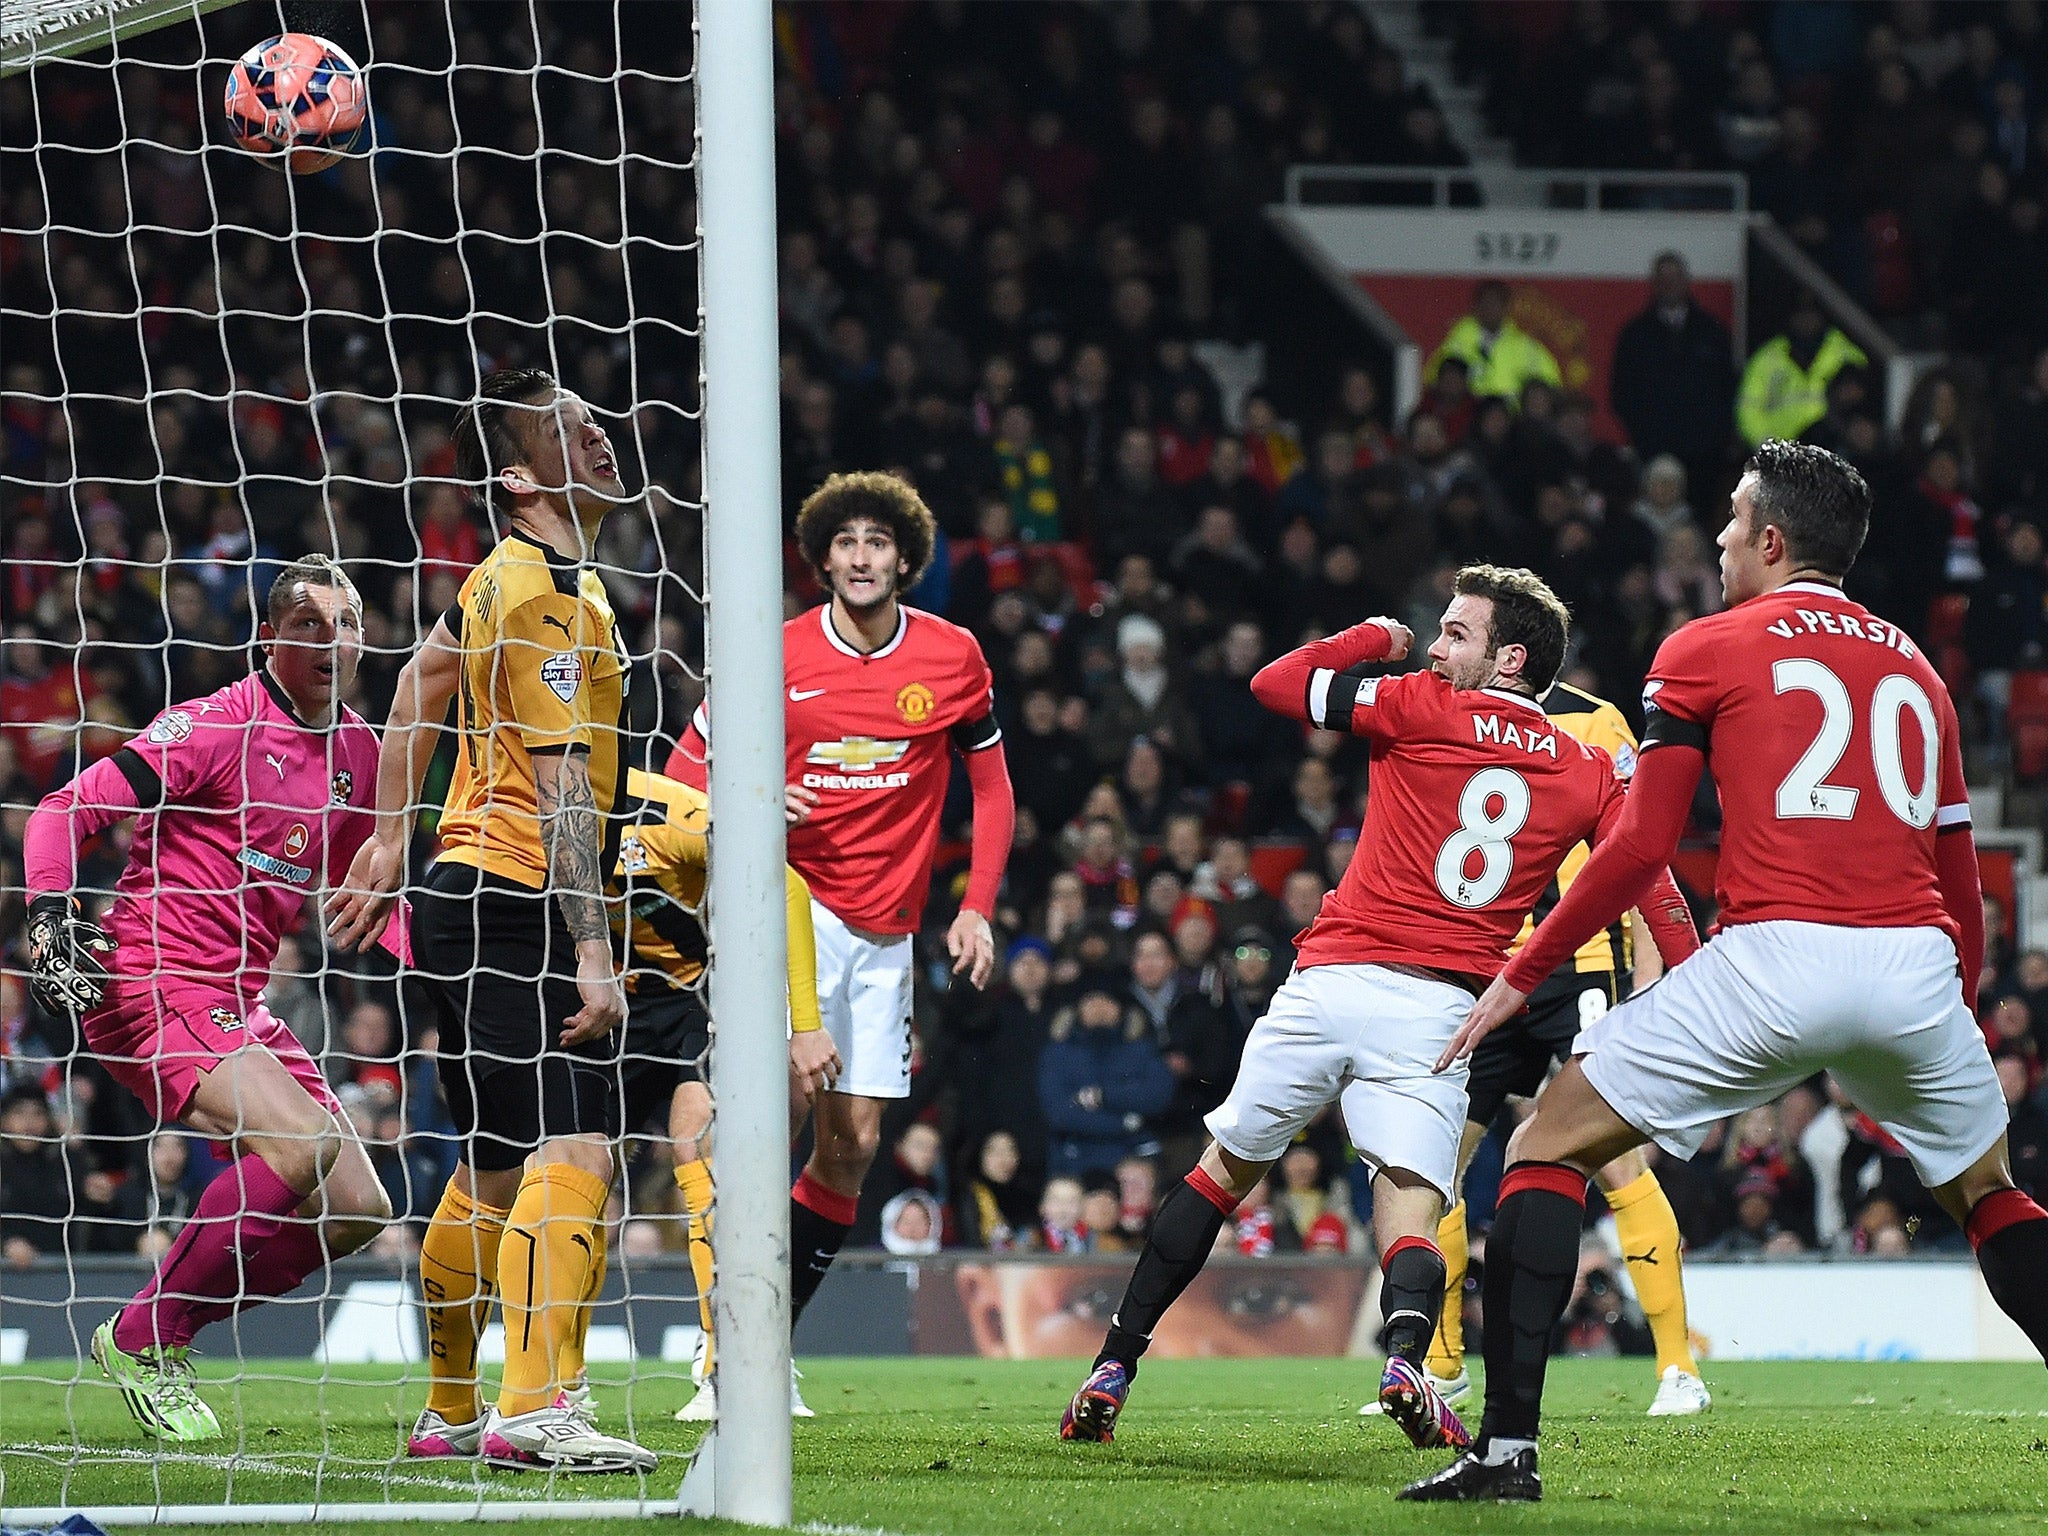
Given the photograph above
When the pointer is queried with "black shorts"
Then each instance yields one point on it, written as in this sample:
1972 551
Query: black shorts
668 1041
501 967
1514 1059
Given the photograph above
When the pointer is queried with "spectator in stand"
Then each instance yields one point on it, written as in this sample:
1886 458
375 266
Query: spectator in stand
1243 742
35 1185
1317 489
2027 1133
1100 1215
983 1059
1136 513
997 1206
1143 699
369 1053
2007 626
1305 1221
1500 356
1049 764
1026 470
1228 483
449 541
1187 440
1216 564
1449 399
1673 378
1271 445
916 1162
1784 389
1060 1227
1101 1082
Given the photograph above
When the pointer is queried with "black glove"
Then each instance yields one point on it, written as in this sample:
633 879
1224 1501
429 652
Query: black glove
65 972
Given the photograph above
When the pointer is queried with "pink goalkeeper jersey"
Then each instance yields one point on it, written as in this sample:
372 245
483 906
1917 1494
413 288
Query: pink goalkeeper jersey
250 810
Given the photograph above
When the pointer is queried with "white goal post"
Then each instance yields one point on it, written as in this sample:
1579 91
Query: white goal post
342 328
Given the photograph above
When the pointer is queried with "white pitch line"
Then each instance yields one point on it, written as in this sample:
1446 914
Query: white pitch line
81 1455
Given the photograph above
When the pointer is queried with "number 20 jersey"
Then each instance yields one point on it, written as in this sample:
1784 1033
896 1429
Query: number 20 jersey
1475 799
1834 745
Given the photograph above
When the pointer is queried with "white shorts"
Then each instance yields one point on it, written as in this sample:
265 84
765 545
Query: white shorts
1367 1035
1765 1005
864 992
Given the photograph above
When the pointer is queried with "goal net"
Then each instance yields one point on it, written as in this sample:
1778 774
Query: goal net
212 368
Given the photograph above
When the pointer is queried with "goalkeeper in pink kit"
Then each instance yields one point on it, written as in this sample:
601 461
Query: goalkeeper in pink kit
247 801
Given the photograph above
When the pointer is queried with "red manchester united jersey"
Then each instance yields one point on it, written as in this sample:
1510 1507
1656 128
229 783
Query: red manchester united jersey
873 736
1476 798
1834 746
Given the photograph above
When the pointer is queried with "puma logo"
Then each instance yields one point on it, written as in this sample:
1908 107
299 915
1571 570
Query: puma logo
1647 1256
276 762
549 618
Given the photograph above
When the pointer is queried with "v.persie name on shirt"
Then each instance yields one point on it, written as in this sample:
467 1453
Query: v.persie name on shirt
1810 621
1506 733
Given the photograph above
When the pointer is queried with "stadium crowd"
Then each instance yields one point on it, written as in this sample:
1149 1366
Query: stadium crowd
1002 230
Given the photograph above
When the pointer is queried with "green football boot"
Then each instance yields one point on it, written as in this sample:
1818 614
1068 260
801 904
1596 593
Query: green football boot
159 1388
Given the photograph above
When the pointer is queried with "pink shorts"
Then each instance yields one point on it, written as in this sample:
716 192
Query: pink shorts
158 1037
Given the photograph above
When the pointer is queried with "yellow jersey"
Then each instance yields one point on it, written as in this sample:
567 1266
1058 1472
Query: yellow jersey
663 863
542 672
1598 724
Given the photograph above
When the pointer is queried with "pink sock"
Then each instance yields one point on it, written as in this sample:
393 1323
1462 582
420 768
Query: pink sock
280 1261
236 1215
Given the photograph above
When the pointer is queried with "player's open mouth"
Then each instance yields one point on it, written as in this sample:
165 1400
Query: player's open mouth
606 467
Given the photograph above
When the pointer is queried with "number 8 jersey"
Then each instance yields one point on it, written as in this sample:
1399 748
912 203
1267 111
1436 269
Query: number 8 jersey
1476 797
1835 748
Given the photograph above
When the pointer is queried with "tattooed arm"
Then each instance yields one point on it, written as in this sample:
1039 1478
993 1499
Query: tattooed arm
572 833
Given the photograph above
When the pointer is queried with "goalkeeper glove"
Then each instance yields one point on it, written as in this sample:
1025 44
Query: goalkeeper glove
65 973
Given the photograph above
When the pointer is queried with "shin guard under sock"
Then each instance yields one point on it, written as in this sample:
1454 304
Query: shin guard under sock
1447 1350
1411 1295
458 1279
1532 1260
1648 1229
1183 1233
694 1180
819 1219
2010 1233
544 1267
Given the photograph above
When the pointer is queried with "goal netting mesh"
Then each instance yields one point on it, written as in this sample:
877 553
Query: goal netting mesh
212 368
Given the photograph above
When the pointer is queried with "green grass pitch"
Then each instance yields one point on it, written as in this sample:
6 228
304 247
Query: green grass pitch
1256 1446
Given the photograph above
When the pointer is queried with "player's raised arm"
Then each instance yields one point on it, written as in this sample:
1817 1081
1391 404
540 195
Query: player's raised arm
66 974
1308 683
425 688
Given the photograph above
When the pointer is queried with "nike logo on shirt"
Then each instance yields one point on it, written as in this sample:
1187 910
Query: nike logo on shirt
798 695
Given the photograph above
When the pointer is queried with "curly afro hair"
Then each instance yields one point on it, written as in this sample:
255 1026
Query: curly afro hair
874 494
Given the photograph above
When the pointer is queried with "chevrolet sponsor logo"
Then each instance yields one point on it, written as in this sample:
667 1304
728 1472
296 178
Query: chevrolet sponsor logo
857 754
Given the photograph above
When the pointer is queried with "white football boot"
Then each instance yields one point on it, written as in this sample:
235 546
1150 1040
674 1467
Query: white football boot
555 1439
1680 1395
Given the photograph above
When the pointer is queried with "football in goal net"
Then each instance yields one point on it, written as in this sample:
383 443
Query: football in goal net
355 1084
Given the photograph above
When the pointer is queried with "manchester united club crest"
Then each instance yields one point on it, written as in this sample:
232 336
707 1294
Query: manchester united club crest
295 840
344 786
914 703
225 1018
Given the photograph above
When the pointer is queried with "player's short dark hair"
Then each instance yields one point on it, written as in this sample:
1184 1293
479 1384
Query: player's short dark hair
1815 498
491 432
879 496
315 570
1525 613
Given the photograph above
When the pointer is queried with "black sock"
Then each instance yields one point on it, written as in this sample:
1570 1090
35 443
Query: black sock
1183 1232
1411 1296
1532 1260
814 1239
2010 1234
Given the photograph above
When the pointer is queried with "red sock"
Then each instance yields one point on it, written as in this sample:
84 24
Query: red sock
238 1214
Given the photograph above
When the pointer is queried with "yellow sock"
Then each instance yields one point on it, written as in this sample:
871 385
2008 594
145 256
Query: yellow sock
1648 1229
458 1274
1447 1349
570 1365
551 1246
695 1181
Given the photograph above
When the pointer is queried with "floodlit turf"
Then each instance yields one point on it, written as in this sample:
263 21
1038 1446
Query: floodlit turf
1255 1446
